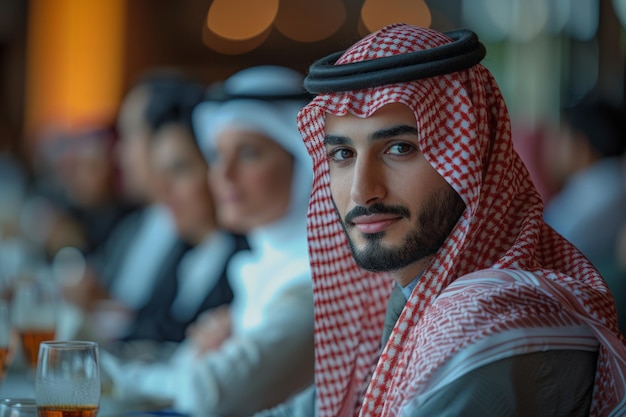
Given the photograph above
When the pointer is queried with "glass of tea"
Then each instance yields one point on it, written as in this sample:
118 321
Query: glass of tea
67 383
34 310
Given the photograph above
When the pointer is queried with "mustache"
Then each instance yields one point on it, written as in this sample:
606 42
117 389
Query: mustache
377 208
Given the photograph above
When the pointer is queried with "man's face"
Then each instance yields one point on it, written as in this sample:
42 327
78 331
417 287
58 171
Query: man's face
133 150
180 179
396 209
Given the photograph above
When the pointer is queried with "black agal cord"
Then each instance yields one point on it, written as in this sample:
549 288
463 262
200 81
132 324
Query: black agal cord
463 52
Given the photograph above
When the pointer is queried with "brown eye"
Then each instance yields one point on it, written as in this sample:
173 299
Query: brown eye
400 148
339 154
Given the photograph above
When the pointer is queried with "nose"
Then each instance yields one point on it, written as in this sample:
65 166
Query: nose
228 168
222 168
368 185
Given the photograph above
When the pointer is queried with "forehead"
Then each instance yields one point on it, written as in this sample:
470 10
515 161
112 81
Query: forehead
235 138
173 134
394 114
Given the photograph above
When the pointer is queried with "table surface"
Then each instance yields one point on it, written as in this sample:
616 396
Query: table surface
20 383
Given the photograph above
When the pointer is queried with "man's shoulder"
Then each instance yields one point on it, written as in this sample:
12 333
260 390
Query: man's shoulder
487 283
490 277
489 296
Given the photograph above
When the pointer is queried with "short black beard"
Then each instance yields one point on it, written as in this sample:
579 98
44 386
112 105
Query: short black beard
433 225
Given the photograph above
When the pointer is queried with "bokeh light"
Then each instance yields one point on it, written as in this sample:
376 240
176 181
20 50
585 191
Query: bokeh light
310 21
495 20
528 19
241 19
584 19
558 15
524 20
233 47
620 10
376 14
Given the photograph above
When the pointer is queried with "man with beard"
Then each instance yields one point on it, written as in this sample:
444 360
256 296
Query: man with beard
424 225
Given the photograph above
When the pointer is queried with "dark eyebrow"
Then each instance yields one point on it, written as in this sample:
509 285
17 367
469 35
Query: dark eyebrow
393 131
386 133
336 140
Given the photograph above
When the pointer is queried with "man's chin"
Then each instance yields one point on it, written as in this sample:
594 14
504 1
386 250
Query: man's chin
373 263
373 241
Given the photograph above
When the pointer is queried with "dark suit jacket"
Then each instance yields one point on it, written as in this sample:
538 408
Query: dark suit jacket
107 261
155 322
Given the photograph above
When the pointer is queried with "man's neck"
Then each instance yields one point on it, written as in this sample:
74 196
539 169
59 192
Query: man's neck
405 275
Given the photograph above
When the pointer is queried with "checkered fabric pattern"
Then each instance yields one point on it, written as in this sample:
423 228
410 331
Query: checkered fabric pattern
464 132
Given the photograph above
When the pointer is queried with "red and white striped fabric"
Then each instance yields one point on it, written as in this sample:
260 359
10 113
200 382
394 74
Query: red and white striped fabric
503 283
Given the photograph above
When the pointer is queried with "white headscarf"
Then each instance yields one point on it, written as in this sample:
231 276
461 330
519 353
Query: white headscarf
279 251
275 119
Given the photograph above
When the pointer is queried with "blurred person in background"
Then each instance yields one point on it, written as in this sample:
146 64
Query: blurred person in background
148 234
196 279
585 161
88 202
120 277
259 351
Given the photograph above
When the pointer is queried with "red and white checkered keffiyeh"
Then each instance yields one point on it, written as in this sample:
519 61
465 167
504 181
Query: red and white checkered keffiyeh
503 283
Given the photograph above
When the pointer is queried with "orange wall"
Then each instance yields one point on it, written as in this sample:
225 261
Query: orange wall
74 63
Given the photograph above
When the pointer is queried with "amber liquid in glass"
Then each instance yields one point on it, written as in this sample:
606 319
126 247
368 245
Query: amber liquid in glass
4 359
67 411
31 338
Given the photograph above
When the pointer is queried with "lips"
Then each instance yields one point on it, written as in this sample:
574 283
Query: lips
374 223
229 200
228 196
